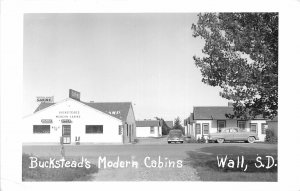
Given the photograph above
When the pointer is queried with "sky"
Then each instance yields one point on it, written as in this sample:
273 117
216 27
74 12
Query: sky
143 58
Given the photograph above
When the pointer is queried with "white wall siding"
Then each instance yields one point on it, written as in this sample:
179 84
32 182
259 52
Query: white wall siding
87 116
212 129
145 132
213 124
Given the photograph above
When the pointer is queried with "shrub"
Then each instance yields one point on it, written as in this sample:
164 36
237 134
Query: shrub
270 136
202 140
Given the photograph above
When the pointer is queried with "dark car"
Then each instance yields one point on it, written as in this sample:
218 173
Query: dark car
175 136
233 134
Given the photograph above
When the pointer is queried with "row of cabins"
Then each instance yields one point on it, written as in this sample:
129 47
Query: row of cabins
205 120
72 121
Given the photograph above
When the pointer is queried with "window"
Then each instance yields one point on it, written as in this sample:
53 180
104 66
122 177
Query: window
41 129
253 127
198 128
120 129
151 130
226 131
94 129
220 125
242 125
264 126
233 131
205 127
66 130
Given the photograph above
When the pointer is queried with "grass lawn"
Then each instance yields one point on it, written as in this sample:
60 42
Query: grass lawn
205 162
55 174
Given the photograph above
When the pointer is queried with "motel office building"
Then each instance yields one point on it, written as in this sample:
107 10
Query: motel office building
80 122
205 120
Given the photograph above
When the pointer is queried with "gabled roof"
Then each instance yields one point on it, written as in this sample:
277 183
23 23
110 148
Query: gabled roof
214 112
116 109
147 123
169 124
43 106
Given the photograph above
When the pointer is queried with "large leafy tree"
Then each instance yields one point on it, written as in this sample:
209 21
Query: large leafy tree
240 55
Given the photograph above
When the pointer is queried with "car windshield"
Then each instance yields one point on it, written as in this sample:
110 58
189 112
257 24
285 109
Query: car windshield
175 133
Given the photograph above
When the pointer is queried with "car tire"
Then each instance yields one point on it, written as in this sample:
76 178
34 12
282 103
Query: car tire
220 140
169 142
251 139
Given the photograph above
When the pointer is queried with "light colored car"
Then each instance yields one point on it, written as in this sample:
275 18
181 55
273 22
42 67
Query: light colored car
233 134
175 136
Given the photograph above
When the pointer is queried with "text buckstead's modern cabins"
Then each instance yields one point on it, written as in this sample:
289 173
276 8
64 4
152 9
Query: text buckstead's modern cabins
205 120
78 121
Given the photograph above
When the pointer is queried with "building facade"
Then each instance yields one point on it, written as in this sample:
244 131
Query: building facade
148 128
74 121
205 120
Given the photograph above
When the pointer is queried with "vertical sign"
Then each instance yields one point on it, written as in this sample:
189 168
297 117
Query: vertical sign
74 94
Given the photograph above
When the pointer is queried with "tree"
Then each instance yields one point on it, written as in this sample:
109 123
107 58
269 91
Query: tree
241 57
165 128
177 124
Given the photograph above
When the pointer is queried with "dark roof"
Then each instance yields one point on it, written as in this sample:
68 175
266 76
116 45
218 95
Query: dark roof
116 109
147 123
43 106
214 112
169 124
275 119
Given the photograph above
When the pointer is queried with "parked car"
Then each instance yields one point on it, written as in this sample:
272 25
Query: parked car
175 136
233 134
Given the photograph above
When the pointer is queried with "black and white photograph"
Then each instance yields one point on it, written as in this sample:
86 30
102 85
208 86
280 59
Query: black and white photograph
150 97
183 99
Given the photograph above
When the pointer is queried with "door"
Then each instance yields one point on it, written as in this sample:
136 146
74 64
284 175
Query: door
66 134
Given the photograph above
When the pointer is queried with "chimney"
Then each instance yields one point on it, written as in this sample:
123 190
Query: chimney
230 104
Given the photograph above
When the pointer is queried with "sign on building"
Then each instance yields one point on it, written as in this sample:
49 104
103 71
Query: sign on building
74 94
45 99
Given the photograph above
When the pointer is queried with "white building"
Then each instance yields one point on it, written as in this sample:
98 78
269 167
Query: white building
148 128
78 121
205 120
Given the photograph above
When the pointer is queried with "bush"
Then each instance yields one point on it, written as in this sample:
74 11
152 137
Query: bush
202 140
55 174
270 136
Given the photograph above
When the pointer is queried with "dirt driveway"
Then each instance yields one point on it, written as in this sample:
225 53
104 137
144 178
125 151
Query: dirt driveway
166 153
